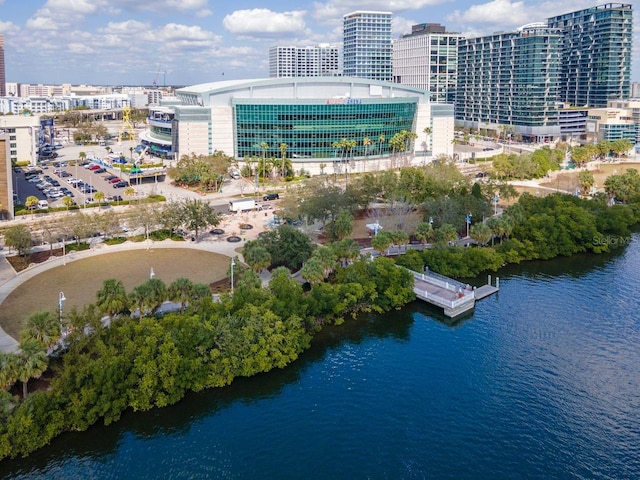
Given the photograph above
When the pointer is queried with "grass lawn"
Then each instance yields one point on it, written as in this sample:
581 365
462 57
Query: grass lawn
82 279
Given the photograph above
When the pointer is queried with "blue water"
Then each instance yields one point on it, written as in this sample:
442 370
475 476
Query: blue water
541 381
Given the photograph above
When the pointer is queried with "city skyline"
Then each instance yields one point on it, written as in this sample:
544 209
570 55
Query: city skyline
121 42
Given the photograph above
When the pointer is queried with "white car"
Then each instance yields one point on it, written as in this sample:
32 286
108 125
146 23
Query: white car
34 180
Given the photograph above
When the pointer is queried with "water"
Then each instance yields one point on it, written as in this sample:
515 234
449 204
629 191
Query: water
541 381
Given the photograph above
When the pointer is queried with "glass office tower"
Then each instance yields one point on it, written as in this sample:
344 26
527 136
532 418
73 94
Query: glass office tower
367 45
510 79
595 54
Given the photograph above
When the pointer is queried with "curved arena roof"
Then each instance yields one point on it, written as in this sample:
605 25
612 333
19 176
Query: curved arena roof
299 88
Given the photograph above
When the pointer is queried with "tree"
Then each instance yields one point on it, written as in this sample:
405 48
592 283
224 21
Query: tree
382 241
283 156
366 142
112 298
82 156
341 226
31 202
149 296
67 202
129 191
180 291
312 271
481 232
171 216
18 237
31 362
256 256
445 234
586 181
8 370
424 232
427 131
199 214
99 196
44 327
264 146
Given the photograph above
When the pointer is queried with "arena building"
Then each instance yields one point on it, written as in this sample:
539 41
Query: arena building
309 115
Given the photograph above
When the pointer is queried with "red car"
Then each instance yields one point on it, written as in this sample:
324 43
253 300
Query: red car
94 167
115 180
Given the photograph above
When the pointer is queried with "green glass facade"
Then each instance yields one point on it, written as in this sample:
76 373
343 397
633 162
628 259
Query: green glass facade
310 128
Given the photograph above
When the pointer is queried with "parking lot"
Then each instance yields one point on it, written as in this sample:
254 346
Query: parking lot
67 176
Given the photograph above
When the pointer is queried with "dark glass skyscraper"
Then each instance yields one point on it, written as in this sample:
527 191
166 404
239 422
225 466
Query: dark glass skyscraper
595 50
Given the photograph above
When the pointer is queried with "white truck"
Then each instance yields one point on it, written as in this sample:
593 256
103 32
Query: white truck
244 205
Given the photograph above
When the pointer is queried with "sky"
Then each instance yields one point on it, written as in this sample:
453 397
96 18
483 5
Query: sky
187 42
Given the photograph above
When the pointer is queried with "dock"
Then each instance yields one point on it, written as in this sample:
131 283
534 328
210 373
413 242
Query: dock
455 298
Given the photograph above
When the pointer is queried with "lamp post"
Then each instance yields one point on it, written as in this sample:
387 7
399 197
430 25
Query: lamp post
495 204
233 264
152 274
61 298
467 220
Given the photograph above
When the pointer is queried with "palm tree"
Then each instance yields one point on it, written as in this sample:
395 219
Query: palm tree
44 328
99 196
8 369
31 362
312 271
427 131
131 153
67 202
264 146
283 155
180 291
82 156
112 299
366 141
31 202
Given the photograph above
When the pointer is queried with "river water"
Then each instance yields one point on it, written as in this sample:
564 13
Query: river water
541 381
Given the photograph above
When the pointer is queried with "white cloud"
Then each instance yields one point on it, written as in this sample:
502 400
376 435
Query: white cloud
80 48
174 32
160 6
496 12
83 7
42 23
336 9
205 12
401 26
261 21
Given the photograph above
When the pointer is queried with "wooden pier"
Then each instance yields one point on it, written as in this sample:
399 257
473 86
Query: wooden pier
455 298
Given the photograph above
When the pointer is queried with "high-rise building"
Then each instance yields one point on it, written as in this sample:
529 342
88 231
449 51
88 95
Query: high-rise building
367 45
313 61
427 58
3 80
595 54
510 79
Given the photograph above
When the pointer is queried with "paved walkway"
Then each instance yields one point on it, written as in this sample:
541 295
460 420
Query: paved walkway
10 280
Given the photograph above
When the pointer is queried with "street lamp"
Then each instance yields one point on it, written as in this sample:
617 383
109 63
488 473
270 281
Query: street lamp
61 298
495 204
152 273
467 220
233 264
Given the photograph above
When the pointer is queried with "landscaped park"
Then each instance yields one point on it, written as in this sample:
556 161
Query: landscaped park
80 280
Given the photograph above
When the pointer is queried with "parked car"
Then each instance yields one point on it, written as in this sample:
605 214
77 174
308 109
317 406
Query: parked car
115 180
100 170
108 178
121 184
94 167
270 196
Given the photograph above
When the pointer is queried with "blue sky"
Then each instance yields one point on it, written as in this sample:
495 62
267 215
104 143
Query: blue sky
125 42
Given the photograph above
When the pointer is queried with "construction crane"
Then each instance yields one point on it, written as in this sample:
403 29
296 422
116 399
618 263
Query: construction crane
164 78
